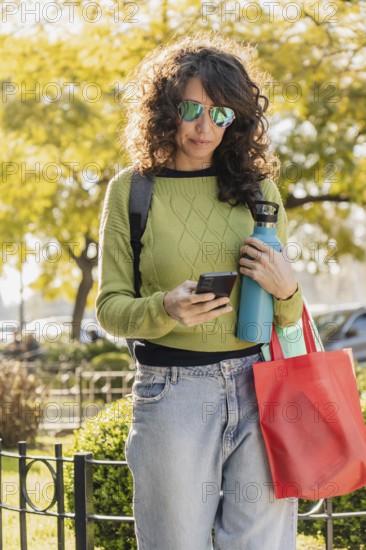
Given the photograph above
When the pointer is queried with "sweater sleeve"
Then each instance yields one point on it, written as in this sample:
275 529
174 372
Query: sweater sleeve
286 312
117 309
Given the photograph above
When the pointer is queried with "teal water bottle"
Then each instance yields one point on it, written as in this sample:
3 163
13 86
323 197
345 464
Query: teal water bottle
256 304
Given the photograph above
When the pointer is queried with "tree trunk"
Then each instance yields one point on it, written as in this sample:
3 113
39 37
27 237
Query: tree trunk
86 262
85 287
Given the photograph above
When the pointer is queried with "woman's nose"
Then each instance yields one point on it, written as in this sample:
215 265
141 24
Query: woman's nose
204 122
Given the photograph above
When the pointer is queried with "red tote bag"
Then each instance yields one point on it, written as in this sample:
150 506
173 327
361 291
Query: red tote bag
311 420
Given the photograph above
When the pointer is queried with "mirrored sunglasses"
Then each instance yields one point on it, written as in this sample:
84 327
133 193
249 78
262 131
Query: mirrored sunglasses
189 110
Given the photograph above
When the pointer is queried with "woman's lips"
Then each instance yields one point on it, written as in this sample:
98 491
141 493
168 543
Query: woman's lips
200 142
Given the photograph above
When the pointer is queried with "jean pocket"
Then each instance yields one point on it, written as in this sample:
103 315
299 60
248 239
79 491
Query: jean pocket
150 388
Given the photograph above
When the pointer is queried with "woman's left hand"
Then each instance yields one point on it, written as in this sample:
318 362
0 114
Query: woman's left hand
268 268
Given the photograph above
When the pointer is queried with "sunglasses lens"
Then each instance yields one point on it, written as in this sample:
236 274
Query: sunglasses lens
222 116
189 110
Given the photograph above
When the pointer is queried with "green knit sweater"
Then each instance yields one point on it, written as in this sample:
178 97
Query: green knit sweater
189 232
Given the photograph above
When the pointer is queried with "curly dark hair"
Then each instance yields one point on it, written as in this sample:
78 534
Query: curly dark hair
242 159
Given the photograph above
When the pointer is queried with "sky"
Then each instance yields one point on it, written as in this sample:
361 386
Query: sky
10 283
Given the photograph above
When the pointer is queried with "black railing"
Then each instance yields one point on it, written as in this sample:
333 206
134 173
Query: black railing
83 515
26 505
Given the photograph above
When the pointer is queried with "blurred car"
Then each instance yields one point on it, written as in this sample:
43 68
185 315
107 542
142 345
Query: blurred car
57 328
346 328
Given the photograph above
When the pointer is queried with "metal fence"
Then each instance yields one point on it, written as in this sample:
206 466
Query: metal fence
75 392
83 515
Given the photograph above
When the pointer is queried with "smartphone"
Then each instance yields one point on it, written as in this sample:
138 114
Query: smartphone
220 283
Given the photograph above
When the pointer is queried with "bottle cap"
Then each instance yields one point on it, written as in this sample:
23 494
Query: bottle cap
265 211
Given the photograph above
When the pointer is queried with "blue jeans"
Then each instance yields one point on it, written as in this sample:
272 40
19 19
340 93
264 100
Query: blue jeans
198 460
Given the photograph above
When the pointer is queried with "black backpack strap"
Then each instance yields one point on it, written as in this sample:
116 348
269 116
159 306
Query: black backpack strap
140 200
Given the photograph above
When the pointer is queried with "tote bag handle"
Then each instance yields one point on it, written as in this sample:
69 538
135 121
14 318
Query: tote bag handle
308 334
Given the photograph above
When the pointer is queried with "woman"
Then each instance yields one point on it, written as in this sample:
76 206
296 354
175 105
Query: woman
200 129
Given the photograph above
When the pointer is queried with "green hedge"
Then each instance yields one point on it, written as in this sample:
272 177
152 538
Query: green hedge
349 533
112 360
75 352
105 437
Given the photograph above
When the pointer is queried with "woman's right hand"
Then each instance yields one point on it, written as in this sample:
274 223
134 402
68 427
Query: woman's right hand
190 309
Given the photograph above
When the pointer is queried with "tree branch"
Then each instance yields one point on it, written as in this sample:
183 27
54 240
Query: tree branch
293 202
84 261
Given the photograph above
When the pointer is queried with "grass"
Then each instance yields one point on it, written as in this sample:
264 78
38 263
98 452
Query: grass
41 533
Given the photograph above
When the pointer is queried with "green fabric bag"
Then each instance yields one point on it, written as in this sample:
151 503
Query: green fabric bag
292 340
